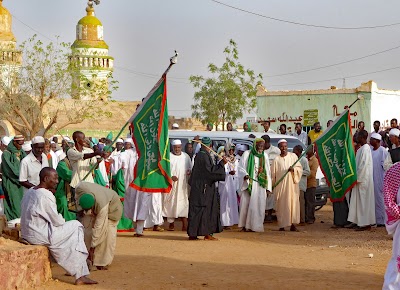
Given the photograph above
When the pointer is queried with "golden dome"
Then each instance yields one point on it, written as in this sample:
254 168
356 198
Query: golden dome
5 24
89 32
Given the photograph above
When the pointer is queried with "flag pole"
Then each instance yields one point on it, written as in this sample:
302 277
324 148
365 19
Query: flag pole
173 60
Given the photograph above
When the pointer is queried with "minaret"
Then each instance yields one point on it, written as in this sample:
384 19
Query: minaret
10 57
90 54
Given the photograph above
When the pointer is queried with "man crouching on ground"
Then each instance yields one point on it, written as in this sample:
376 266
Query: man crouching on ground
41 224
103 210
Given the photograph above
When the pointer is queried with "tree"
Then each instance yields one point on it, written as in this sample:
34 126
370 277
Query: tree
228 93
34 95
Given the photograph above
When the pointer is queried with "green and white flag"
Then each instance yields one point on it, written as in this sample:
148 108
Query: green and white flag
149 130
336 157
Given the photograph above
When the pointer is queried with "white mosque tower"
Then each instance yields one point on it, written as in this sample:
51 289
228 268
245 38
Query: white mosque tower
90 53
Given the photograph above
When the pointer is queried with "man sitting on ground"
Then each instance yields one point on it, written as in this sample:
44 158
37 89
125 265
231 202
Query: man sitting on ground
41 224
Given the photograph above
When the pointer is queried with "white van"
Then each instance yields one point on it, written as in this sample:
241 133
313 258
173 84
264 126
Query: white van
220 138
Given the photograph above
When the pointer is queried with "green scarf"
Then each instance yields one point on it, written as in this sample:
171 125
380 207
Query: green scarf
248 127
262 177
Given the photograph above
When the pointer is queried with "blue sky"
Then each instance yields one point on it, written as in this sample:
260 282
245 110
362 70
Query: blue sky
142 35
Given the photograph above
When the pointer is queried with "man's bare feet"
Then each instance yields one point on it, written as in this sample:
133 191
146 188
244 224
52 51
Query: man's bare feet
85 281
243 229
227 228
293 228
193 238
138 235
281 229
158 229
100 268
210 238
171 227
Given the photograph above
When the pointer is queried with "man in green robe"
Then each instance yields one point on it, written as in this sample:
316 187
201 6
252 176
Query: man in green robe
10 164
64 171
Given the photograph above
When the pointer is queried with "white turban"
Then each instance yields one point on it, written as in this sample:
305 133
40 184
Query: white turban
6 140
27 146
119 141
282 141
376 136
176 142
175 125
129 140
66 138
52 142
240 147
394 132
38 139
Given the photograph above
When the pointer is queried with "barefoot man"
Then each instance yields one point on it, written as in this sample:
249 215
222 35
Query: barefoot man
41 224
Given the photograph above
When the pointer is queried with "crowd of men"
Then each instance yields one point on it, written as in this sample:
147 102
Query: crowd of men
211 191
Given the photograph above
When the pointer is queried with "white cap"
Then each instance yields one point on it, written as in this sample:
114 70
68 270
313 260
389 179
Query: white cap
176 142
66 138
394 132
6 140
175 125
376 136
282 141
240 147
37 139
129 140
27 146
119 141
52 142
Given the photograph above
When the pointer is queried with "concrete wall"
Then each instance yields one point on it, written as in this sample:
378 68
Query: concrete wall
290 107
385 106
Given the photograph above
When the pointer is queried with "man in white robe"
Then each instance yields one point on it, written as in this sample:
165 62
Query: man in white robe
298 150
381 161
362 200
41 224
176 203
272 153
155 216
116 157
391 191
228 190
254 182
287 192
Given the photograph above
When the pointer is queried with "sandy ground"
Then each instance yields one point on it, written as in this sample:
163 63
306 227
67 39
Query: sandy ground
315 258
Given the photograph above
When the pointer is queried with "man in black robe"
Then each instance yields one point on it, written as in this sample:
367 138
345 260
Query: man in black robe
204 215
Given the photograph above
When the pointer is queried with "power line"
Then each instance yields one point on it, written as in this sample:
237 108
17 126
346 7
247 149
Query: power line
336 64
33 29
147 75
303 24
335 79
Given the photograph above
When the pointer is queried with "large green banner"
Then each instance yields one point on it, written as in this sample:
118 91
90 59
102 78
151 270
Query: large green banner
336 157
149 129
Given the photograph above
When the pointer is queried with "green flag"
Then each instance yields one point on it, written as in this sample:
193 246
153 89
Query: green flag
337 158
149 130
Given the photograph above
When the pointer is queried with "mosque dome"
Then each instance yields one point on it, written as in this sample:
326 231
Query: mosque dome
6 34
89 32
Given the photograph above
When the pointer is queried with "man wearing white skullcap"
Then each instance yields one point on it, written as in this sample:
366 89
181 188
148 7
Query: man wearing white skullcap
175 126
380 156
27 147
394 136
176 203
32 164
287 191
115 157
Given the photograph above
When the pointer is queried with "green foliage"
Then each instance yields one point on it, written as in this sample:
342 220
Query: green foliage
230 92
34 96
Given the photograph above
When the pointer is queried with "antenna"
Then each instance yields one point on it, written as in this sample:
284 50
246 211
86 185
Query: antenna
344 83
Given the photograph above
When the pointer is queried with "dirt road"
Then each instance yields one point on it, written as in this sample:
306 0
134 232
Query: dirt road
315 258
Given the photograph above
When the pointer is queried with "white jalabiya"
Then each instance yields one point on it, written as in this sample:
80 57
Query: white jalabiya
362 201
41 224
154 217
54 159
117 164
392 274
129 158
176 203
252 207
227 194
381 163
287 192
272 152
137 204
